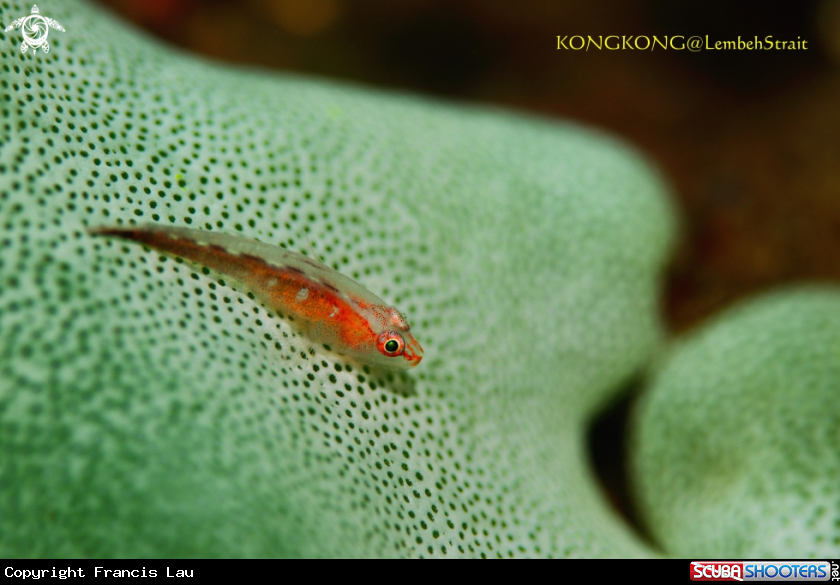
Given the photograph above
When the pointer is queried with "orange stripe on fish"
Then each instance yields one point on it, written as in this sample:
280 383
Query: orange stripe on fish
325 305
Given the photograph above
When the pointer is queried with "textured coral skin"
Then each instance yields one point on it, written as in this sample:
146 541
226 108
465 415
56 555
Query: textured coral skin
149 409
736 450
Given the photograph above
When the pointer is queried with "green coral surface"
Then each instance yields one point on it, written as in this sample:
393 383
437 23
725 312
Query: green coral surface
147 408
737 442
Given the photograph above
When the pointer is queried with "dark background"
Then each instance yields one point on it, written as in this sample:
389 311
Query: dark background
750 140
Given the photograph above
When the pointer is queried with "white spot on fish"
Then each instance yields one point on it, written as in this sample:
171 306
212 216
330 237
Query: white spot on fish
302 294
334 312
272 282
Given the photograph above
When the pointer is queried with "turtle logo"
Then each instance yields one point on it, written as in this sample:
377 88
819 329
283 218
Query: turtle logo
35 29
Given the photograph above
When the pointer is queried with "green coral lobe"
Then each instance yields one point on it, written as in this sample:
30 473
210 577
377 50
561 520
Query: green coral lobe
736 450
149 409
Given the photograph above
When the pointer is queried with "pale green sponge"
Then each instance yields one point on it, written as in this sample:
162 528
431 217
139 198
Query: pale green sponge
737 442
148 409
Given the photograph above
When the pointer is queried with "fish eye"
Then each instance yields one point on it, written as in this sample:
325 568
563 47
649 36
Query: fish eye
391 343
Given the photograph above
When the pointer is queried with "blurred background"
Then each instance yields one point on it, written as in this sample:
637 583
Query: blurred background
749 139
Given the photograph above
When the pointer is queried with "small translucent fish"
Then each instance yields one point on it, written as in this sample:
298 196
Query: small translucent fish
325 305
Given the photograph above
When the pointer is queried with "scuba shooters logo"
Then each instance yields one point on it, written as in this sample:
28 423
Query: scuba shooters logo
764 571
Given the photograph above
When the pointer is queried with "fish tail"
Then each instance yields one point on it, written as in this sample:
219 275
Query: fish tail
178 243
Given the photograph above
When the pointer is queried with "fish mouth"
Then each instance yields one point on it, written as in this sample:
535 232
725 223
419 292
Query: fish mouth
413 352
